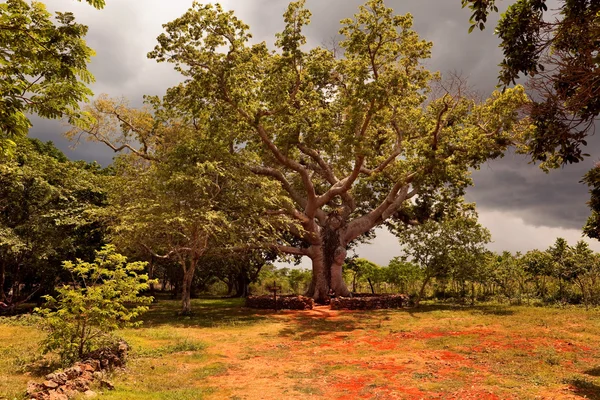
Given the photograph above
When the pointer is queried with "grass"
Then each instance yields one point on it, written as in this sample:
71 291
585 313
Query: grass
224 351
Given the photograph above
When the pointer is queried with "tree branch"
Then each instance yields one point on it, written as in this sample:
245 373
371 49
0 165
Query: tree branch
397 195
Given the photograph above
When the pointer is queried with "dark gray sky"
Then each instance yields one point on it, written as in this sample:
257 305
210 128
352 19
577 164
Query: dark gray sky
522 206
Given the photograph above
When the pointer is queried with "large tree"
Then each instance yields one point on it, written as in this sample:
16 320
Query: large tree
48 213
43 66
353 140
180 192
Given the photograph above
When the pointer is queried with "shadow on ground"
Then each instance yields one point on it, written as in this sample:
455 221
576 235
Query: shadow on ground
206 313
218 312
585 388
320 321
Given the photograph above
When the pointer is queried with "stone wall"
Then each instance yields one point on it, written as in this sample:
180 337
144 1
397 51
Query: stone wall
283 302
369 302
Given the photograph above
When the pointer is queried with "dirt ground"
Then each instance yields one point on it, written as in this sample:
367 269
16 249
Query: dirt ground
226 351
331 354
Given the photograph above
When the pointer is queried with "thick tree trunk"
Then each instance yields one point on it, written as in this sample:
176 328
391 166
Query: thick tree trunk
327 275
328 252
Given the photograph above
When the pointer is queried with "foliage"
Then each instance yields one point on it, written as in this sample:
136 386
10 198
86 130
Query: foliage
43 67
96 3
453 247
403 274
592 226
349 140
104 296
182 192
560 56
363 269
48 212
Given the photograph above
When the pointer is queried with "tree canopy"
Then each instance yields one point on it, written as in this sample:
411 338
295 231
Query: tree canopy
350 139
182 191
43 66
560 56
48 213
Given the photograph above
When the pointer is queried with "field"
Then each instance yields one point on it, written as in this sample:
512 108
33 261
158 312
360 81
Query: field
438 352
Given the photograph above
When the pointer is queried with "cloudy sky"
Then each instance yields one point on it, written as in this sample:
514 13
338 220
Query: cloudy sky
523 207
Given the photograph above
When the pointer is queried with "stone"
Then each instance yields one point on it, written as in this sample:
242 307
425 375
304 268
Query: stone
90 394
81 385
123 347
60 378
50 384
87 376
88 367
57 396
95 364
32 388
72 373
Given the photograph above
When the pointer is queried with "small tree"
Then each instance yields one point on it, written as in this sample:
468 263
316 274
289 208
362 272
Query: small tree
103 297
403 274
453 246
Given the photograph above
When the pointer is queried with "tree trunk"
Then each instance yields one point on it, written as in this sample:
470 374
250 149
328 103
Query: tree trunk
422 291
371 284
327 257
581 285
151 277
230 285
242 285
2 280
326 277
188 277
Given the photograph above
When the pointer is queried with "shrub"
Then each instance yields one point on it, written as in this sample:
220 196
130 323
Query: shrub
103 297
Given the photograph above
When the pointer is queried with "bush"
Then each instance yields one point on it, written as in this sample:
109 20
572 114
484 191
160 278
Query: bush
283 302
103 297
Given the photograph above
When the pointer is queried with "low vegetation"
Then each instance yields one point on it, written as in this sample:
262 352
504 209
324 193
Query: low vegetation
224 351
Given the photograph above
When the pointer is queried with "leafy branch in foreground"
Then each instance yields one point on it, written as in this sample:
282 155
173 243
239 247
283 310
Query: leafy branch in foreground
43 67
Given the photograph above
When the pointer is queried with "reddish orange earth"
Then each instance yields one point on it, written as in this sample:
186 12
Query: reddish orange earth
348 355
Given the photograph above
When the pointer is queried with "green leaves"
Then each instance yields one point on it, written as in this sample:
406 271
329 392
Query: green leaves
49 210
520 31
43 67
103 296
347 134
96 3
